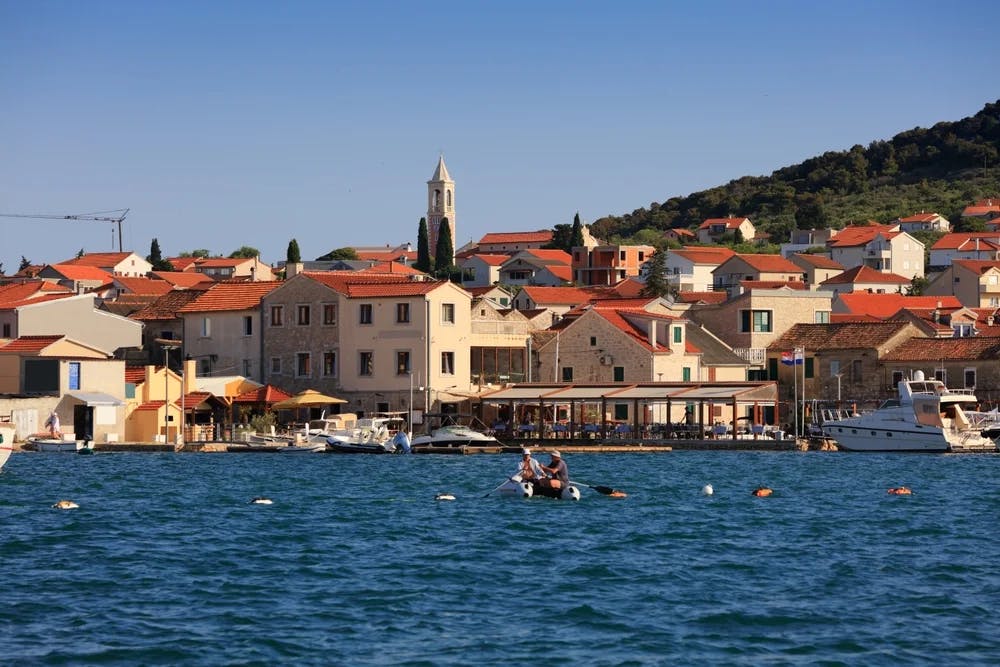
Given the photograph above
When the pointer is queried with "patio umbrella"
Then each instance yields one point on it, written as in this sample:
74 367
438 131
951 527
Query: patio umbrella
306 399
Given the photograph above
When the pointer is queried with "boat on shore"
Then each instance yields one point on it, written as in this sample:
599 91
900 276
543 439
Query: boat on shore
926 416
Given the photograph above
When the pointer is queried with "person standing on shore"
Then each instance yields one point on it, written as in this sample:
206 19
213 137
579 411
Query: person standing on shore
53 423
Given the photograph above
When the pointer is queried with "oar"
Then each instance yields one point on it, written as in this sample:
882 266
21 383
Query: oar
509 479
605 490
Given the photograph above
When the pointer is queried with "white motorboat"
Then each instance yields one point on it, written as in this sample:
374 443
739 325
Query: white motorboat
369 435
40 444
304 448
925 417
454 435
514 487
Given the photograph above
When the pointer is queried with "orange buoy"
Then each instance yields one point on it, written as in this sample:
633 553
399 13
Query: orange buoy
617 494
762 492
900 491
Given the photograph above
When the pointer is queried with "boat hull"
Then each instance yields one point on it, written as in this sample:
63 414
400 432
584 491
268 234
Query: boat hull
515 488
55 445
867 439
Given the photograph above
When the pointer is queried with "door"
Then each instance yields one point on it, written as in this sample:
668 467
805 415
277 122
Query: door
83 422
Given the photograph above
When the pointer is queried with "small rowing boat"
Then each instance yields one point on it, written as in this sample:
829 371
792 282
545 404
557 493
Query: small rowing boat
515 488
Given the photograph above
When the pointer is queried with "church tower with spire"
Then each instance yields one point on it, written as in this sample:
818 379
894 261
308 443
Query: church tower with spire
440 204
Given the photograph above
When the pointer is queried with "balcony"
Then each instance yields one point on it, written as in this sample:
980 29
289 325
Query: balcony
752 355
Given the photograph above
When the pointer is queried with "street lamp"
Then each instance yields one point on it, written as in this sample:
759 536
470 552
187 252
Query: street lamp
167 344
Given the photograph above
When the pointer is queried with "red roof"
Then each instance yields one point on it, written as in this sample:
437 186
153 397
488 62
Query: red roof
30 343
616 316
230 296
714 256
221 262
81 272
392 267
964 240
943 349
819 261
979 266
702 297
730 223
135 374
772 284
391 255
921 217
865 274
492 260
983 207
551 256
182 263
151 406
356 284
266 394
99 259
541 236
17 294
885 305
770 263
564 273
559 295
858 235
143 286
184 278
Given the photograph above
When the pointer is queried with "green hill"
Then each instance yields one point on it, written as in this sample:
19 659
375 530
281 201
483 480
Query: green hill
941 169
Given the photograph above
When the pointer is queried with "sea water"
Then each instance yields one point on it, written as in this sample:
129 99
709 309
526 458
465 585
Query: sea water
167 562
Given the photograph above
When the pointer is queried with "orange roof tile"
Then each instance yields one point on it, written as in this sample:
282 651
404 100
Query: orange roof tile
492 260
81 272
920 217
837 336
564 273
560 295
135 374
166 307
772 284
860 235
98 259
885 305
182 263
184 278
392 255
770 263
973 348
143 286
634 331
702 297
697 255
392 267
266 394
19 293
551 256
819 261
221 262
960 240
865 274
30 343
151 406
228 296
541 236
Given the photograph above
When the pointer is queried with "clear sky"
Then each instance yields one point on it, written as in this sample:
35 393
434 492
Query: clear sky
223 124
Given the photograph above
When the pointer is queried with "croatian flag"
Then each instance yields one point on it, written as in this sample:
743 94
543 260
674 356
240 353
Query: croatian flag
792 358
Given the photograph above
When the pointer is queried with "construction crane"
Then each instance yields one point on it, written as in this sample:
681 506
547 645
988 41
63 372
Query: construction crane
96 216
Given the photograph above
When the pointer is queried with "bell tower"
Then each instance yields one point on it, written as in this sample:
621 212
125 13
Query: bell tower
440 204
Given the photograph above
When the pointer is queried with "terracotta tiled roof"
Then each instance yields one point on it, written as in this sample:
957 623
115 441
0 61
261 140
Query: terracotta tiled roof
714 256
392 267
135 374
964 240
143 286
974 348
772 284
770 263
618 318
387 255
865 274
182 263
921 217
860 235
193 398
819 261
983 207
167 306
266 394
190 279
480 291
99 259
221 262
230 296
492 260
884 305
559 295
30 344
541 236
564 273
979 266
355 284
681 231
19 293
837 336
730 223
551 256
702 297
82 272
151 406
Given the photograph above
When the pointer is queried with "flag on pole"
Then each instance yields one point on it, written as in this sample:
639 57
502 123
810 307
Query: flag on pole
796 358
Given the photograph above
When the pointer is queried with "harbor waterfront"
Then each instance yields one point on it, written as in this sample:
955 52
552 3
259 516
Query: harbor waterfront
166 560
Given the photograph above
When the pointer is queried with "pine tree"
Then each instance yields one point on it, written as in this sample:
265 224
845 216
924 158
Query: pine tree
445 251
656 278
292 255
423 262
577 240
25 263
155 258
80 253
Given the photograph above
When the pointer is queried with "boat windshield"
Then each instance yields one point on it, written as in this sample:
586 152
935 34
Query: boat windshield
891 403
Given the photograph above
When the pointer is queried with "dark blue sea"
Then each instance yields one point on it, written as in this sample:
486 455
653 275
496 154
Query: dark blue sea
355 562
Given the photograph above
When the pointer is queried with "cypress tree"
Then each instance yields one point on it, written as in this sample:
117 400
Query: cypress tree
292 255
445 251
577 239
25 263
423 262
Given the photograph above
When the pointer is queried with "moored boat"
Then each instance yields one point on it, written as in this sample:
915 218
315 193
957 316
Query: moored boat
926 416
454 435
369 435
40 444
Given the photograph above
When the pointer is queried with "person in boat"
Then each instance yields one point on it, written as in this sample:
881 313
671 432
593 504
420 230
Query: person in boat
528 469
53 423
556 472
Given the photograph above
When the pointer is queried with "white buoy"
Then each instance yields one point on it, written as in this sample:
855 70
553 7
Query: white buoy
444 496
261 500
707 490
66 505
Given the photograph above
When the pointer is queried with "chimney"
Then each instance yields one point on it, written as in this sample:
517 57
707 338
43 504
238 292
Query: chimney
190 375
652 334
989 320
936 315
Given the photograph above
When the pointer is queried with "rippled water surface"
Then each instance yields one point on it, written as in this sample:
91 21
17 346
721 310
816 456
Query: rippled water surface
166 562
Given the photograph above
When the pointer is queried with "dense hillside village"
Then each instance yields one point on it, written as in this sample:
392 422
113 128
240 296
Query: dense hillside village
129 347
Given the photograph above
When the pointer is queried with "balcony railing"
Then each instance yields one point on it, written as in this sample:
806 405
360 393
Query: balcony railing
752 355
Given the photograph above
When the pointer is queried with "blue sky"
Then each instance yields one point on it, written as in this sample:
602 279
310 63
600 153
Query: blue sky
250 123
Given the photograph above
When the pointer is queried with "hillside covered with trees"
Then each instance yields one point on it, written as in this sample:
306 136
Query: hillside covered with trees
941 169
